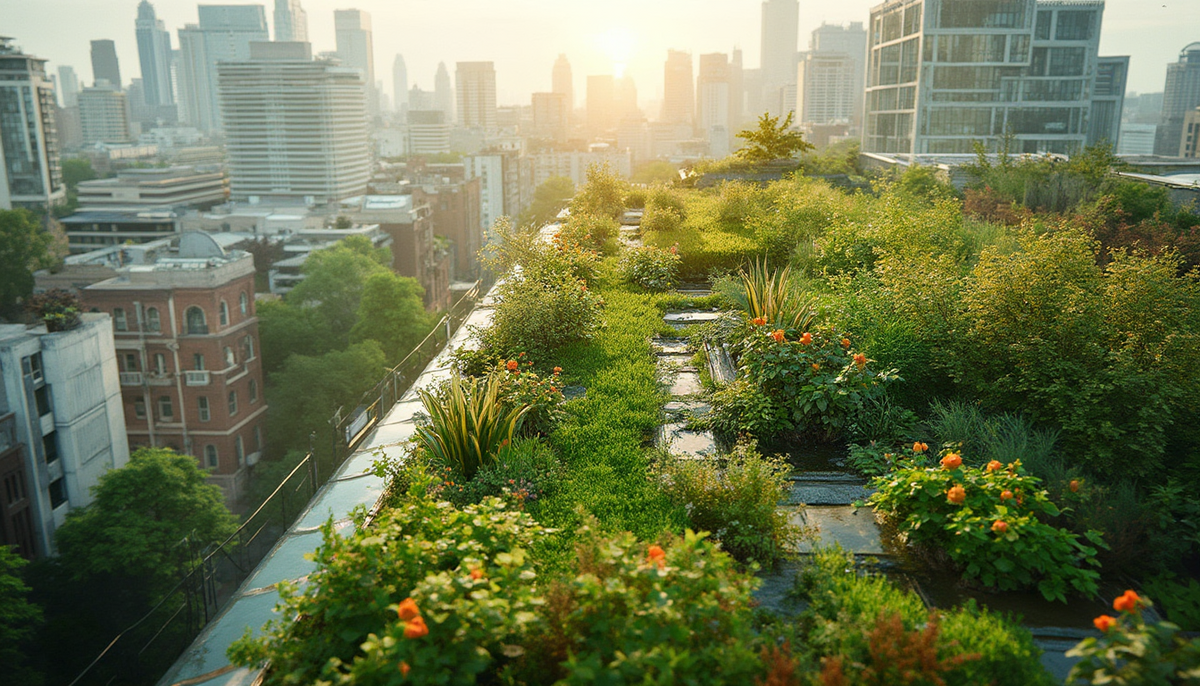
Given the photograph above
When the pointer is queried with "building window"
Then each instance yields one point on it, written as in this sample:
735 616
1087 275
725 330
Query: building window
50 446
248 347
253 391
153 321
230 360
196 323
120 321
232 403
198 362
160 364
244 302
32 366
202 406
1074 25
257 439
240 449
41 397
139 408
131 362
224 312
166 411
210 456
58 492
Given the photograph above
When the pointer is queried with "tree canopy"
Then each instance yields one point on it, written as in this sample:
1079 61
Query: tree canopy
772 140
548 200
333 284
18 620
392 313
24 248
603 195
654 172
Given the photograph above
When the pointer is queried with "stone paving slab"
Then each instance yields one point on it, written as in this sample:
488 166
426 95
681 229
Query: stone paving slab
854 529
686 406
678 440
680 320
827 492
670 346
685 383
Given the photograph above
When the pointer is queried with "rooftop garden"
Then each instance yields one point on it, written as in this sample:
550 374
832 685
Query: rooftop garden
1018 388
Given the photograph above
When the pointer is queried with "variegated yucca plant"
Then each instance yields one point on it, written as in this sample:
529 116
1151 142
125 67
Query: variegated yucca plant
469 423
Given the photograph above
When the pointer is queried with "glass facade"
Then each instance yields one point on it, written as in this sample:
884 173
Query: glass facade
28 137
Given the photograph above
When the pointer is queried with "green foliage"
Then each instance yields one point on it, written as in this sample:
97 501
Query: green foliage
996 533
655 172
24 248
922 184
541 396
18 621
603 194
285 330
548 200
77 170
523 473
1179 601
772 140
1002 437
737 499
838 158
769 295
468 424
391 312
650 267
58 308
706 244
591 232
334 280
1136 652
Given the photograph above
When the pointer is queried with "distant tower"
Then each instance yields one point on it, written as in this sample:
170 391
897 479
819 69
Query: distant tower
68 86
356 48
223 34
601 104
400 84
154 54
443 92
104 63
780 42
679 96
563 82
1181 95
291 21
476 86
712 102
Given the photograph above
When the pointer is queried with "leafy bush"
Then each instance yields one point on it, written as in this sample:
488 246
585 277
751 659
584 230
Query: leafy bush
737 499
990 523
591 232
664 211
1132 651
603 195
650 267
468 424
523 473
1179 601
1004 437
542 397
58 308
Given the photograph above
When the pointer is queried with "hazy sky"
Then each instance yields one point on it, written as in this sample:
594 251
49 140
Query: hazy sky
523 37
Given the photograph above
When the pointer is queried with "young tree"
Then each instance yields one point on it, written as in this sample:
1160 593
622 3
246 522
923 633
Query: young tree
772 140
658 171
392 313
602 195
24 248
548 201
334 280
18 619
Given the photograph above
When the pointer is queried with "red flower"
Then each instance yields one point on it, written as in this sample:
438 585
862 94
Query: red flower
845 342
1104 622
920 447
806 338
994 465
816 367
512 365
1000 526
956 495
558 370
1127 602
1074 486
759 321
778 335
860 360
657 555
408 609
952 461
1006 495
477 574
404 670
415 628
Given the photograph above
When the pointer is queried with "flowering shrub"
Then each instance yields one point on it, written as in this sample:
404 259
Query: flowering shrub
57 307
520 386
651 268
990 522
590 232
737 499
1131 651
523 473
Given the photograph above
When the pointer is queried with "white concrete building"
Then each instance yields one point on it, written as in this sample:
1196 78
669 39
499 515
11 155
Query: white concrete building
475 85
30 175
104 115
575 165
356 48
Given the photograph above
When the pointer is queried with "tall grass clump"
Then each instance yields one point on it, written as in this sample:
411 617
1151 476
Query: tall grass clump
768 294
468 424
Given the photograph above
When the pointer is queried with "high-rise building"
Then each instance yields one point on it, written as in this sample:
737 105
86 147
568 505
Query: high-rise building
679 91
428 132
1181 95
400 84
223 34
186 336
291 21
561 81
825 91
1108 101
506 183
154 54
61 425
295 128
357 49
104 63
443 92
104 115
30 175
1190 142
601 104
737 91
68 86
475 83
850 41
551 116
713 96
780 42
946 75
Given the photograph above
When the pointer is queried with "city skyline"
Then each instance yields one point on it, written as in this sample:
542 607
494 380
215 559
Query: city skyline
596 40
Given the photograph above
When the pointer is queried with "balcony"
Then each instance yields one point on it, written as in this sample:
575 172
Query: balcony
157 379
196 378
131 378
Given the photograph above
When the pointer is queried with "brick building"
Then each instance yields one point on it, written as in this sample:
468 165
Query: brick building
187 347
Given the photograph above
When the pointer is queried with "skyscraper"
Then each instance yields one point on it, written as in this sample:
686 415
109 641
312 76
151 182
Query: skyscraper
443 92
357 49
68 86
780 41
1181 94
223 34
154 53
30 176
295 128
475 83
679 91
400 84
104 63
104 115
291 21
1108 100
713 102
850 41
562 80
551 116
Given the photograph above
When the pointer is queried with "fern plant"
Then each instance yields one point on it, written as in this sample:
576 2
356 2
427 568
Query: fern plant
469 423
768 294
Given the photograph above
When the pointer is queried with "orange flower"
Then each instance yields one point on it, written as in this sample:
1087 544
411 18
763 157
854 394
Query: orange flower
1127 602
404 670
1104 622
845 342
415 628
816 367
778 335
994 465
512 365
759 321
408 609
860 360
952 461
477 574
558 370
1074 486
806 338
1000 526
1006 495
657 555
920 447
956 495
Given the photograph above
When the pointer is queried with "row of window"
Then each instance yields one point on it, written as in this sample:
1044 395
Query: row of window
196 322
212 457
166 407
159 366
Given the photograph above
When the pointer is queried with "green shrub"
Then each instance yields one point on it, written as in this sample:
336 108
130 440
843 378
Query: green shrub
1179 601
468 424
769 296
650 267
990 523
1002 437
737 499
542 397
661 219
881 420
538 312
523 473
591 232
742 408
603 195
1131 651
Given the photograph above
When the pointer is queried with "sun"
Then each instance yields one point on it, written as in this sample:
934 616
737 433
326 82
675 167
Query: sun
618 45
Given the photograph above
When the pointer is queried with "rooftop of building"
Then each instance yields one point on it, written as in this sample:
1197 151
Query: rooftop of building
201 261
154 176
13 333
